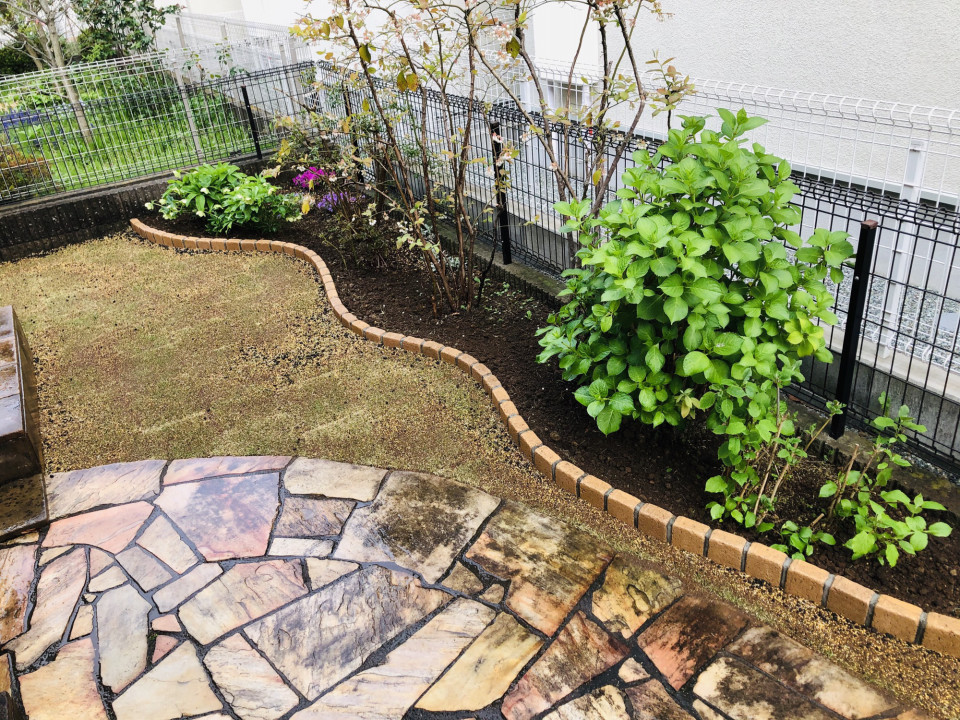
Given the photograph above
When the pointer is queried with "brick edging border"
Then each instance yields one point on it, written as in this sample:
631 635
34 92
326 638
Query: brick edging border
795 577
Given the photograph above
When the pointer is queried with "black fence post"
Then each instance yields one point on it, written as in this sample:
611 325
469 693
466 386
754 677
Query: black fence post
503 225
253 124
855 309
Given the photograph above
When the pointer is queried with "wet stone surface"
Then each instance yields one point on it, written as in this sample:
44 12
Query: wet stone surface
199 590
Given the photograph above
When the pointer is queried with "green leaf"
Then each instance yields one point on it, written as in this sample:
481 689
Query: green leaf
672 286
695 362
676 309
940 529
622 403
609 420
861 544
616 365
892 555
663 266
829 489
716 484
654 358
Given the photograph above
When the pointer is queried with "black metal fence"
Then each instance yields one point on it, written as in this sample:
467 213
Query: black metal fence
908 344
124 127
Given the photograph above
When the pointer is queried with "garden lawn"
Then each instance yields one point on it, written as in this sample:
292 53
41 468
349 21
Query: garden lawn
148 352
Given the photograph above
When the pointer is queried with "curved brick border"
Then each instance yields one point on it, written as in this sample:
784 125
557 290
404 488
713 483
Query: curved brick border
796 577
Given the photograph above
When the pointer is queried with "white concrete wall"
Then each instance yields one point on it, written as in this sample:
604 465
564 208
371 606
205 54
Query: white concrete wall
904 50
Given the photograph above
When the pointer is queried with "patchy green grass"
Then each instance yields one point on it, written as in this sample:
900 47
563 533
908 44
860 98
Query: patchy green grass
148 352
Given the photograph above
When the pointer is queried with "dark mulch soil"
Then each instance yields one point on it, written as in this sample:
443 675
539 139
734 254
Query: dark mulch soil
663 466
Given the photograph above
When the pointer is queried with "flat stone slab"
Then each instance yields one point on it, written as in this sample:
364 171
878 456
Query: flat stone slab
225 518
66 688
390 689
550 565
17 564
81 490
201 468
243 593
306 476
216 599
322 638
688 635
250 686
580 652
23 505
419 522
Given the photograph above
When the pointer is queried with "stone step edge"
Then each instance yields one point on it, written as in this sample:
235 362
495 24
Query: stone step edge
799 578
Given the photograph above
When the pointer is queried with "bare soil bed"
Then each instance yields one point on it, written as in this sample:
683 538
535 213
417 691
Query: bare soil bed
665 466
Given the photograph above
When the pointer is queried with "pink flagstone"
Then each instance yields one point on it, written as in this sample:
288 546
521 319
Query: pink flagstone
200 468
164 644
225 517
111 529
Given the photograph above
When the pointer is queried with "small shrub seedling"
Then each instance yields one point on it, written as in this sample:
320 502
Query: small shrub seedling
227 198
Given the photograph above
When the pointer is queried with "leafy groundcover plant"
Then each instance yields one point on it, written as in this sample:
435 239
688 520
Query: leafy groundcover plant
696 296
226 198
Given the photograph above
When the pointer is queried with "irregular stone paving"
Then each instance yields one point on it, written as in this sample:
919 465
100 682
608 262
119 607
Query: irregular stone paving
266 588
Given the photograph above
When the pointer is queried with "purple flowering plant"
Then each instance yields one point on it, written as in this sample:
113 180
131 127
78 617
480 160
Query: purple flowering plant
309 177
330 200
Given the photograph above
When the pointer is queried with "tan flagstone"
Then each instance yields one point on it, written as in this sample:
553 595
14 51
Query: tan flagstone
143 567
89 597
65 688
580 652
631 594
605 703
169 596
739 691
122 636
322 571
300 547
7 674
176 687
389 690
77 491
493 594
685 637
652 702
809 674
322 638
312 517
23 539
17 571
53 553
463 580
199 468
110 529
99 561
162 647
248 683
486 670
166 623
162 539
631 671
420 522
225 518
708 713
58 591
549 564
243 593
306 476
82 623
110 578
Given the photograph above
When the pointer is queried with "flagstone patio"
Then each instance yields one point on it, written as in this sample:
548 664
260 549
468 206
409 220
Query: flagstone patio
268 587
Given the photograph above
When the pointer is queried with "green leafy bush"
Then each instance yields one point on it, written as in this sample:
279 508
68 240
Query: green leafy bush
227 198
693 286
14 62
887 521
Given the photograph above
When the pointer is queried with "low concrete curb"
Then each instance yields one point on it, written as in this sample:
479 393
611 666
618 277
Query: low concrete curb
795 577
